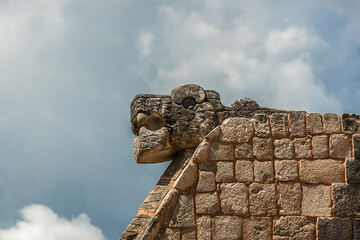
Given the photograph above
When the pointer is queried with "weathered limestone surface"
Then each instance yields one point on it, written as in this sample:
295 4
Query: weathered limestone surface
184 215
322 171
291 227
206 182
224 171
316 200
263 148
262 199
286 170
331 123
222 151
257 228
238 130
320 146
188 233
346 198
353 170
356 145
297 124
350 122
356 228
340 146
261 123
227 227
314 123
334 228
171 234
243 151
279 125
289 201
203 224
264 171
244 171
284 149
207 203
302 148
234 199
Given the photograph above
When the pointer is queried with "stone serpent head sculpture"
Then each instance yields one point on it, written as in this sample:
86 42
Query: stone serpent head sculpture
168 124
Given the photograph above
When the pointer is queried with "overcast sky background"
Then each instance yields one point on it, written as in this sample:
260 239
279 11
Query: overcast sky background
70 68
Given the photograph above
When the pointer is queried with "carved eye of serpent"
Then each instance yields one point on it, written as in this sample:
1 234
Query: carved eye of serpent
188 95
189 102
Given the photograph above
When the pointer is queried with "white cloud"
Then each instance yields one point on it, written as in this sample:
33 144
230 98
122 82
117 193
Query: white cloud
41 223
293 39
145 43
230 50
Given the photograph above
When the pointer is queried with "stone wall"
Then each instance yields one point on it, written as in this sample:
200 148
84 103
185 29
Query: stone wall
283 176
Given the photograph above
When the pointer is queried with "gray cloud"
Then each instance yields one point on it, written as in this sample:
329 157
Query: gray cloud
272 58
69 69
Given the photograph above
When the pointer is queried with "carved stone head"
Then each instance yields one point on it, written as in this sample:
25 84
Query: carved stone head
166 124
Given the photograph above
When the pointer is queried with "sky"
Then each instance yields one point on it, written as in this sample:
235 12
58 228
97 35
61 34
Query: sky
70 68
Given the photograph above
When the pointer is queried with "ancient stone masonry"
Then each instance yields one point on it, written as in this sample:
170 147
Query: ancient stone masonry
258 174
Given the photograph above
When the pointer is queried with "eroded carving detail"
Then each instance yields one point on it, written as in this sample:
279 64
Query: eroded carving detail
167 124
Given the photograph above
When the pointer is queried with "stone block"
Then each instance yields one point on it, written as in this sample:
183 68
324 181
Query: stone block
206 182
331 123
340 146
286 170
294 227
316 200
346 198
237 130
243 151
227 227
188 233
203 224
184 215
350 122
234 199
264 172
297 124
222 151
320 146
214 134
314 123
207 203
263 148
187 178
356 145
302 148
356 228
244 171
352 170
334 229
171 234
262 199
224 172
201 153
262 125
209 166
322 171
289 198
284 149
279 125
257 228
